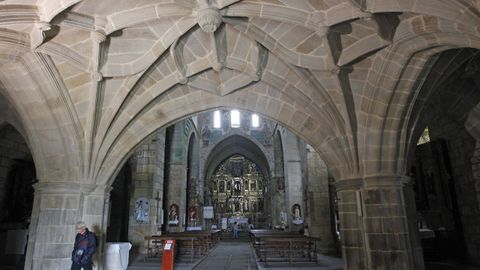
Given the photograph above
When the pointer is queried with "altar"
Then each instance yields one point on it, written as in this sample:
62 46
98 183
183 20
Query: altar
239 220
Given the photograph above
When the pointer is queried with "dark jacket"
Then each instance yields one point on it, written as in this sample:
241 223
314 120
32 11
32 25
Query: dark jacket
84 248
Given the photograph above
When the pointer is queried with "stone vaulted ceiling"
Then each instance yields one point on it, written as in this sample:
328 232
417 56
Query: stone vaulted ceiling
87 81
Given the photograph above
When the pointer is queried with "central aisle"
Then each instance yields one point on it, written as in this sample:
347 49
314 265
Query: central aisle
229 255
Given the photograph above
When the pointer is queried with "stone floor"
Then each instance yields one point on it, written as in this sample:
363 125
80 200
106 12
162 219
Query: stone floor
235 255
229 255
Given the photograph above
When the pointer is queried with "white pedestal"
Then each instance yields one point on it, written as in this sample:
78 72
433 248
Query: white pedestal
196 228
116 255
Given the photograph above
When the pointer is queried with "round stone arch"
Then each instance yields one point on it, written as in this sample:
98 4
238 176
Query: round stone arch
409 58
448 103
53 133
229 146
297 118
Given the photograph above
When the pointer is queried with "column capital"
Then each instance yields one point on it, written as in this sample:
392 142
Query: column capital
45 187
372 182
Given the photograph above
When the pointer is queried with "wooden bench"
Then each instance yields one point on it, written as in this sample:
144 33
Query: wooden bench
202 242
287 249
188 244
154 245
281 246
257 235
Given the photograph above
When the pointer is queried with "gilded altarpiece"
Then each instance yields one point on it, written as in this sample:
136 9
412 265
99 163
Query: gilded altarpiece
237 191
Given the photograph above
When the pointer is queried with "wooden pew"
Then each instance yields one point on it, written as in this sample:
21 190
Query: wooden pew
202 243
288 249
190 243
184 245
282 246
154 245
257 235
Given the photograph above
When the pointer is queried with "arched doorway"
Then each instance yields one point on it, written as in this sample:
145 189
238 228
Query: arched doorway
17 177
443 163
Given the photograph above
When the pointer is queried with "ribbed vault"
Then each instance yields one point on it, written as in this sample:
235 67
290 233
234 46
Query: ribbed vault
90 80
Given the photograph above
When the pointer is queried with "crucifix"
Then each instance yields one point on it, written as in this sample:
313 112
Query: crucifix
157 198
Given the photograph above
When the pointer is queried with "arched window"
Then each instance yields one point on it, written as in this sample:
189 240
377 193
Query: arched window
216 120
235 118
255 121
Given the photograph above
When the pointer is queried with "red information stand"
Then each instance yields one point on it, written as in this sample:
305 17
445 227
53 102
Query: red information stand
168 255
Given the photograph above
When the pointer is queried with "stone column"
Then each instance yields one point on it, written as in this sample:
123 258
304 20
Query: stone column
57 207
177 194
143 188
318 216
95 214
177 178
376 225
293 178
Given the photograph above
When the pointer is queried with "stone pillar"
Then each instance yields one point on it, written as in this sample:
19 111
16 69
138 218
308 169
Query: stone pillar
376 225
177 194
293 178
275 200
95 214
147 187
351 226
319 215
57 207
177 178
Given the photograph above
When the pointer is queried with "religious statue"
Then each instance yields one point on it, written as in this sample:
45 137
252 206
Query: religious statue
297 215
142 209
296 212
221 188
237 206
237 186
283 219
221 207
231 206
173 214
192 214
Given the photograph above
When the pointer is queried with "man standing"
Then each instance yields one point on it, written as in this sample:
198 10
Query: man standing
84 248
235 230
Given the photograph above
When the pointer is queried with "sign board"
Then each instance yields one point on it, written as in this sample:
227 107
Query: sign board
208 212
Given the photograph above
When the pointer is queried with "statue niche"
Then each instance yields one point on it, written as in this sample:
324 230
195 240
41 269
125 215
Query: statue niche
173 215
296 214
